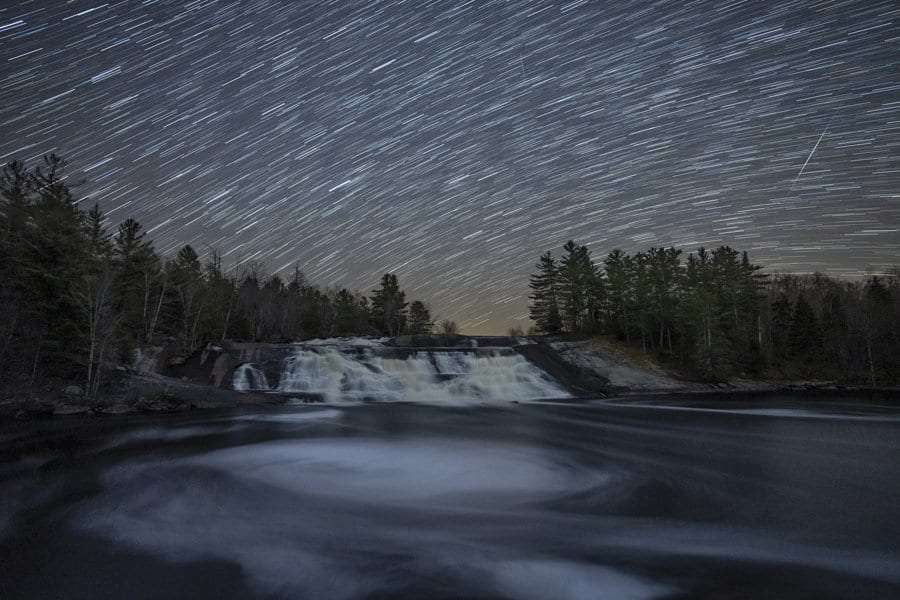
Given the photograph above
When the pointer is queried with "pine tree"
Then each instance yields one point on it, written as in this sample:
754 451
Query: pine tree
880 332
726 285
325 306
834 330
15 202
54 256
53 283
185 275
363 316
638 300
544 307
309 324
246 321
345 309
389 306
617 292
780 324
749 306
220 295
295 308
702 350
589 283
98 237
574 276
596 301
419 319
138 275
804 341
93 293
664 274
272 309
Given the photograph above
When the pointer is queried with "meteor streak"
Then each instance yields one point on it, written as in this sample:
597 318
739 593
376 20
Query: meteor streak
811 152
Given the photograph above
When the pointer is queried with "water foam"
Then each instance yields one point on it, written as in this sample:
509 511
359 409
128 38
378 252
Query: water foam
367 342
248 378
424 376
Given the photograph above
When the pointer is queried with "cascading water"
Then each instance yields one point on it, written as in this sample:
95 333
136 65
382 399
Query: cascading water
453 363
248 378
337 373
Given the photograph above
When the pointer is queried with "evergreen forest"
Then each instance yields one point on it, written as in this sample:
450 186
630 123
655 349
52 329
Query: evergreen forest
76 298
715 315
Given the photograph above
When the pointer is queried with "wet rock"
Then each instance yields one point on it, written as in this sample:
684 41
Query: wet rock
437 340
35 410
607 361
221 368
116 409
146 360
579 378
163 406
73 391
71 409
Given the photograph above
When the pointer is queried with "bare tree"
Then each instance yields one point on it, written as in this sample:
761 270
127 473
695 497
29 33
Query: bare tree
151 325
93 294
447 327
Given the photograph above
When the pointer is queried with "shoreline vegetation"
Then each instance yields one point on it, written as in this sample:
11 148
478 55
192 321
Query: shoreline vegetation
80 303
183 384
714 316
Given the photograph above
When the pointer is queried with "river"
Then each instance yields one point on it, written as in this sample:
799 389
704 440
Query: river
700 498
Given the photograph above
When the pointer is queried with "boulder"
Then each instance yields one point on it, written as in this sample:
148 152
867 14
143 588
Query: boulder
73 391
145 360
221 369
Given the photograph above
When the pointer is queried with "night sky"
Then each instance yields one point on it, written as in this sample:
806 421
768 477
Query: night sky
452 142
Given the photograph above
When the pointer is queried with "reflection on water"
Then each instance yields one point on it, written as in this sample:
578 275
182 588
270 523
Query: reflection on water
533 501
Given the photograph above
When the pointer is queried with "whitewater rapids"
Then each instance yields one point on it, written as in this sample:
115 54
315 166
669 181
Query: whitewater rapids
351 373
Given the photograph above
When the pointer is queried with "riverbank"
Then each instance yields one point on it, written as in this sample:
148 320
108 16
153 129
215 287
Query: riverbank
131 392
628 371
587 369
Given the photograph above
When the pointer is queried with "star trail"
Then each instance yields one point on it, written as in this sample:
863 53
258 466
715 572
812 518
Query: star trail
452 142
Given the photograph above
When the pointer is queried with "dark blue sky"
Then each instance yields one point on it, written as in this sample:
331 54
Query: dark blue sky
452 142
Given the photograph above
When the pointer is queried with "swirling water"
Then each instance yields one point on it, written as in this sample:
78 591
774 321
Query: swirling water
703 499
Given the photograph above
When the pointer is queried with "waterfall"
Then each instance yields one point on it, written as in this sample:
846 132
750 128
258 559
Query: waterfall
337 373
247 378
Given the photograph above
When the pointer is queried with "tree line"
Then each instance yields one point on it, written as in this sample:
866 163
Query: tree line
76 297
714 314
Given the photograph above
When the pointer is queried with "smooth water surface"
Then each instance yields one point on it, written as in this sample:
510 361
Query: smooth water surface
702 499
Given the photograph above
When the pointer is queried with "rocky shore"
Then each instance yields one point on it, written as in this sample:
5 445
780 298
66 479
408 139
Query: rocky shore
133 392
630 373
160 381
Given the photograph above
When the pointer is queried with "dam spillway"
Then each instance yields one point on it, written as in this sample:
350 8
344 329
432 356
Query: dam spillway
366 370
